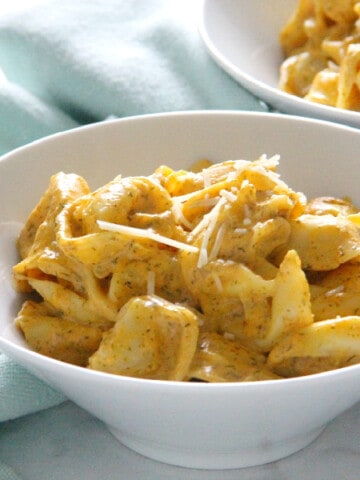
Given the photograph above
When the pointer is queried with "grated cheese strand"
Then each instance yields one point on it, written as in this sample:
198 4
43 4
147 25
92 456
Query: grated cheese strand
230 196
179 216
335 291
218 240
141 233
213 217
218 283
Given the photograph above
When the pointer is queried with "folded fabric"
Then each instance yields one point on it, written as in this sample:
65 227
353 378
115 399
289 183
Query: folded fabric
7 473
21 393
24 117
93 58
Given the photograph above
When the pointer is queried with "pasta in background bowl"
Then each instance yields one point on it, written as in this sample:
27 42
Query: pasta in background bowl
244 39
171 421
321 45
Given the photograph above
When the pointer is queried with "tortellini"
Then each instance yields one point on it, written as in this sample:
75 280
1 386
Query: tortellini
151 338
321 44
221 273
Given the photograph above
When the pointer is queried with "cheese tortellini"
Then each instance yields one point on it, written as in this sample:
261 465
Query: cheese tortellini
221 273
321 43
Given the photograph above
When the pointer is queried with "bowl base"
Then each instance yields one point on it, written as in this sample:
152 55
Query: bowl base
216 460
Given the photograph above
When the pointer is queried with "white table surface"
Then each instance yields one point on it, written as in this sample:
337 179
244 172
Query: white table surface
66 443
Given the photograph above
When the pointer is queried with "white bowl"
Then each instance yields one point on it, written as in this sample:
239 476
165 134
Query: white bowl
243 38
214 426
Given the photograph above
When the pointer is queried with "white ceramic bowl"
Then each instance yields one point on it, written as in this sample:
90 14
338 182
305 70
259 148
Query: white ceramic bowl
189 424
243 38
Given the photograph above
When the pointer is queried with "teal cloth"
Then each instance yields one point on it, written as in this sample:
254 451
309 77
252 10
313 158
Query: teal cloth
21 393
25 117
71 62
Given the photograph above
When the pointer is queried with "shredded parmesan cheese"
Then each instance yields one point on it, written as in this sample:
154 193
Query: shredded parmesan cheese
213 217
230 197
218 240
179 216
335 291
218 283
240 231
245 183
204 202
216 172
234 175
207 180
141 233
247 219
271 162
200 226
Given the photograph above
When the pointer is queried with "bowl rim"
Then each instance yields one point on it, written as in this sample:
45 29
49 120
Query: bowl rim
158 116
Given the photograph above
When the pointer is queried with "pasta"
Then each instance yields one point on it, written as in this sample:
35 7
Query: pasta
221 273
321 44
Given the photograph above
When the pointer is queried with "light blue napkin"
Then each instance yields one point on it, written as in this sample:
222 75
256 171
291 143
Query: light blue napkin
72 62
21 394
25 117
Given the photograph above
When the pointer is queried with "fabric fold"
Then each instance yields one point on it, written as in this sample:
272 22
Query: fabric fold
21 393
90 59
25 117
